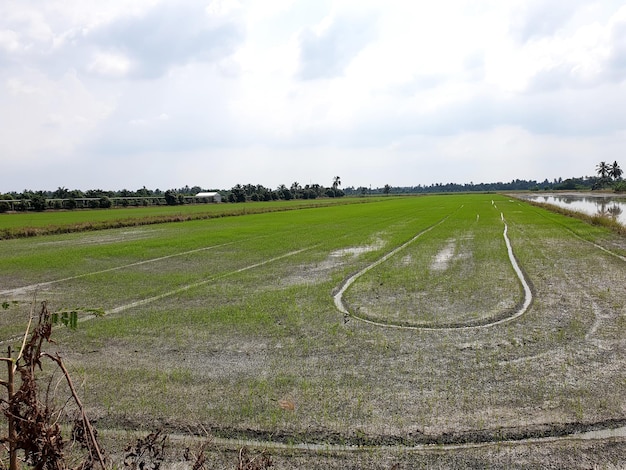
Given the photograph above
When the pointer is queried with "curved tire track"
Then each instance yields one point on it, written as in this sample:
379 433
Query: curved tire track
499 319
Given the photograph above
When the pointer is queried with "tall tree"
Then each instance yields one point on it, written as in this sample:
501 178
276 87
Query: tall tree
61 193
336 184
603 169
296 190
615 171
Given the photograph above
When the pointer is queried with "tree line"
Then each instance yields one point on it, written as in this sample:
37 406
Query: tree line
64 198
609 176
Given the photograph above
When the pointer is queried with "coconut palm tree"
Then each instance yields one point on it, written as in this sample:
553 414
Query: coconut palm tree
615 171
603 169
336 184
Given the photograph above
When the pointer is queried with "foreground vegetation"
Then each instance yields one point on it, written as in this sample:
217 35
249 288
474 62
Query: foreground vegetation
228 325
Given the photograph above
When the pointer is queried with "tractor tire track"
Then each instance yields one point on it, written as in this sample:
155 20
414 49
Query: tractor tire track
31 287
193 285
499 319
333 442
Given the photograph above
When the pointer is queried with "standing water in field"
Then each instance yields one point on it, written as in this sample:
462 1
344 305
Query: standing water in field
606 206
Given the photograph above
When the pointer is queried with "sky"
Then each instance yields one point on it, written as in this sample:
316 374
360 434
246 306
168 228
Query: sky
120 95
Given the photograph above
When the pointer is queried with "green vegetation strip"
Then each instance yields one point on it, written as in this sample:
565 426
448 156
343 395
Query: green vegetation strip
56 222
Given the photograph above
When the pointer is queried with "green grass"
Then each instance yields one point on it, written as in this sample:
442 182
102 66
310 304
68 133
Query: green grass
260 324
457 273
29 224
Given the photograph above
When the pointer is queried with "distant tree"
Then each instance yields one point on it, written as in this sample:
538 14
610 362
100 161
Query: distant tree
602 169
61 193
237 194
336 184
387 189
171 198
70 203
283 192
38 202
104 202
296 190
143 192
615 171
98 193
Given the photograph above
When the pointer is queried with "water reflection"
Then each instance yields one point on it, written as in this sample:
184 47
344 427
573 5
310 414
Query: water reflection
605 206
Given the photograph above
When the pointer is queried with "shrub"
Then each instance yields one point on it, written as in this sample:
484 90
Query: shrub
70 203
38 203
171 198
104 203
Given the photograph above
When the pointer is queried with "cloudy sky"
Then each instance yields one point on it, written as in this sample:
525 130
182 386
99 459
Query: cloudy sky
116 94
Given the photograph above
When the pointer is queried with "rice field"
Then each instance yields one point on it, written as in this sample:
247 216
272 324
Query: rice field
385 327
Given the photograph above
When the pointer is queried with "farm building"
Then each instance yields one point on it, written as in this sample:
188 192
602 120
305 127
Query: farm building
210 197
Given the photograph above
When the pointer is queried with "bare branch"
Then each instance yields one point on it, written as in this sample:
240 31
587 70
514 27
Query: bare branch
91 434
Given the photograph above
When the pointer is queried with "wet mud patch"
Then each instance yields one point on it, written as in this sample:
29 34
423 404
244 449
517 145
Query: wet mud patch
318 272
108 237
461 284
442 259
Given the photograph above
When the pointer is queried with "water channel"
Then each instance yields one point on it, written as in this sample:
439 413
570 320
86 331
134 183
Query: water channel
604 205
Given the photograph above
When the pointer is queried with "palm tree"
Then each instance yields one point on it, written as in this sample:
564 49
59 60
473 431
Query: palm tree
61 193
336 184
615 171
603 170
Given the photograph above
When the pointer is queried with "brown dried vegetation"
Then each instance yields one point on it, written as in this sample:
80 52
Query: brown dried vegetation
33 427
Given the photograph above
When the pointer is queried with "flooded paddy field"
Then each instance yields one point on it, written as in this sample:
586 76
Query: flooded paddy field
458 321
594 204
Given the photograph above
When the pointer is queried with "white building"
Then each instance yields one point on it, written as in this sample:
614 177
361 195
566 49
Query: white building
210 197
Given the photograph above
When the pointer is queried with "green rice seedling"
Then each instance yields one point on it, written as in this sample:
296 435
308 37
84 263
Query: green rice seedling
239 313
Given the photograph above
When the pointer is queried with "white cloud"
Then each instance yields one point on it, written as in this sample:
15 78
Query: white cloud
327 49
170 34
110 65
271 92
47 119
9 40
